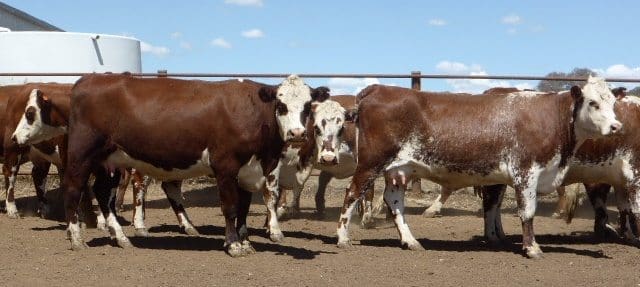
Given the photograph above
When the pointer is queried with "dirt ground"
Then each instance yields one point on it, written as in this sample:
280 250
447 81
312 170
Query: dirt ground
36 252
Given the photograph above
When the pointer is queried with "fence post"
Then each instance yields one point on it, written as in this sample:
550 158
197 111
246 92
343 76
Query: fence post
416 84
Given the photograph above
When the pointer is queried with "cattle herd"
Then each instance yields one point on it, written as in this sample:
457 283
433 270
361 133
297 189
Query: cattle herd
252 137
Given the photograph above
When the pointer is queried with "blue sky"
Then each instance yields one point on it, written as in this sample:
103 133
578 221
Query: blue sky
382 36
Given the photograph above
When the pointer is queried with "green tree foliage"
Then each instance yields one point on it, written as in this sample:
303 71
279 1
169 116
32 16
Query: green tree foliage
550 86
635 91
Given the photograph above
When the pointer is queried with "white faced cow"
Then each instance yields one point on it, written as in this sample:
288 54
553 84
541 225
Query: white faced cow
525 140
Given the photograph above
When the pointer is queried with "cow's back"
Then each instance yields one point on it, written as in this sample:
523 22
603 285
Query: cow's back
175 120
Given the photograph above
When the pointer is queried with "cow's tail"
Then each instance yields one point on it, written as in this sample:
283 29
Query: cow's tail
572 200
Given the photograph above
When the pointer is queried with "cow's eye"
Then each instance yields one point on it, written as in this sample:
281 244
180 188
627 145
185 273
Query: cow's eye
594 105
318 131
281 108
30 115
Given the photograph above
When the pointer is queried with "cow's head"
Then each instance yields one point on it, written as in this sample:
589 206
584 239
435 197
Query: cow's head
594 115
293 98
329 118
37 122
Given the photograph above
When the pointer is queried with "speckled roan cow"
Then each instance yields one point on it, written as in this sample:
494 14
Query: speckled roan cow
521 139
599 164
174 129
14 100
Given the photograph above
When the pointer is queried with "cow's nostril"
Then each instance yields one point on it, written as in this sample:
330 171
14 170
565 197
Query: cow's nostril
615 127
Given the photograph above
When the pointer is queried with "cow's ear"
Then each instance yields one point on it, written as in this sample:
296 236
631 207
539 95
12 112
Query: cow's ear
576 92
351 115
619 92
41 98
320 94
267 94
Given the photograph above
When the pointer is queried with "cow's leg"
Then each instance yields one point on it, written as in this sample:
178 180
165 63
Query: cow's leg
526 196
10 170
227 181
394 197
491 202
244 202
125 178
39 175
105 188
140 184
367 209
362 180
323 182
174 195
597 194
270 193
282 203
437 204
631 217
559 212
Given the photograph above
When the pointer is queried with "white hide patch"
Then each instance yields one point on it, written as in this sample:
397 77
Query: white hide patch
293 93
37 131
525 94
631 99
121 159
596 117
52 158
251 176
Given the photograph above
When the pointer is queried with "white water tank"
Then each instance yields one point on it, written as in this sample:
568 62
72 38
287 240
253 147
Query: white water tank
65 52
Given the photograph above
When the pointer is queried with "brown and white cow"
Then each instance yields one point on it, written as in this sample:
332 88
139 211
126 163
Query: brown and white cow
13 109
174 129
601 164
329 148
522 139
37 120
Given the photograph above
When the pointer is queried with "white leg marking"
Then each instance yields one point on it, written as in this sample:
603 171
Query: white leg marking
273 229
115 230
12 209
73 231
394 196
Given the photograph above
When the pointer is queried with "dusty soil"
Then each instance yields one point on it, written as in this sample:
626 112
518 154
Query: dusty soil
35 251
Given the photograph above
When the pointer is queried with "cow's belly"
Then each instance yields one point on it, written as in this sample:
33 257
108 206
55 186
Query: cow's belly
53 158
615 171
447 178
201 167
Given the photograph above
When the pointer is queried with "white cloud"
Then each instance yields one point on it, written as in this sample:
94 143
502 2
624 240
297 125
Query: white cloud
511 19
253 33
473 85
437 22
175 35
158 51
185 45
620 71
251 3
221 43
349 86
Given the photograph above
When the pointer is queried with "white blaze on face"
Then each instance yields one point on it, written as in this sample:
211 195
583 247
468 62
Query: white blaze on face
328 124
292 94
596 117
32 129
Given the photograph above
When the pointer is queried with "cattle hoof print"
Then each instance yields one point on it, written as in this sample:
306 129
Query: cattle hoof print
345 244
141 232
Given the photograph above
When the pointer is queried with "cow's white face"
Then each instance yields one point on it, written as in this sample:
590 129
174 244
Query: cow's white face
596 117
293 101
329 119
34 125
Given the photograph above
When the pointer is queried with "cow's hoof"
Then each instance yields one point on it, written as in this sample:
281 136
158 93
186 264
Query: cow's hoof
413 245
557 215
13 214
430 213
141 232
534 252
281 212
78 245
191 231
124 242
276 236
367 221
247 248
102 226
235 250
345 244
